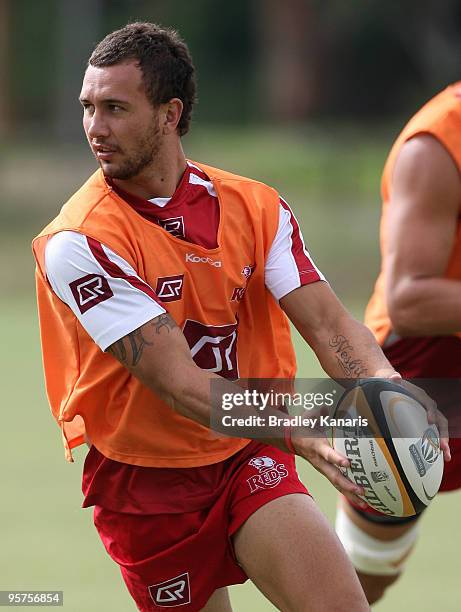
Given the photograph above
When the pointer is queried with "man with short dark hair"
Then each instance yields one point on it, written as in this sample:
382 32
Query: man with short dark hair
159 277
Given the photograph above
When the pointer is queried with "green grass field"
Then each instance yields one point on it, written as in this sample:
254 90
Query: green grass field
47 542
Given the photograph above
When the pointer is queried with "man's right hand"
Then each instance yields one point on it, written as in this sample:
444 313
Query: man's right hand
326 460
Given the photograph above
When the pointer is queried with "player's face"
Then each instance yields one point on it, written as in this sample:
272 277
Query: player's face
120 123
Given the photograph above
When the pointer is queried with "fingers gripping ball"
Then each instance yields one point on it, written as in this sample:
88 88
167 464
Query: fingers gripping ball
395 453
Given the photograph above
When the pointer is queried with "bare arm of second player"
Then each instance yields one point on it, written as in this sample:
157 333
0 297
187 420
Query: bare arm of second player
421 230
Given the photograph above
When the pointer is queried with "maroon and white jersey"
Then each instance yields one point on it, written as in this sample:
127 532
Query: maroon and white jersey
289 264
85 273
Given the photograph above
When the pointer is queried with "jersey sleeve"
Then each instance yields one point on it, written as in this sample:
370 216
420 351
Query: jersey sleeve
104 292
289 264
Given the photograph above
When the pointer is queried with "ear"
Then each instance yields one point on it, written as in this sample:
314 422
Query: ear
171 115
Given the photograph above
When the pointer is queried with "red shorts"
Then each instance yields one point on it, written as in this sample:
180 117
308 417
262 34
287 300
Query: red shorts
171 560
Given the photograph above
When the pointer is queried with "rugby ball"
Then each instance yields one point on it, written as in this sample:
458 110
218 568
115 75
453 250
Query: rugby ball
394 452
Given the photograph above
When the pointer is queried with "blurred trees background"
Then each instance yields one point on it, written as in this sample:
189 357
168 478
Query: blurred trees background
306 95
257 60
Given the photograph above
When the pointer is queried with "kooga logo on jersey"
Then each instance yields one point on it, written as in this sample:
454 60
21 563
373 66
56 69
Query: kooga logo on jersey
193 258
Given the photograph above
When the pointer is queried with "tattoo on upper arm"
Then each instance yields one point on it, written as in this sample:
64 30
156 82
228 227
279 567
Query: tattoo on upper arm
352 368
162 321
118 350
128 350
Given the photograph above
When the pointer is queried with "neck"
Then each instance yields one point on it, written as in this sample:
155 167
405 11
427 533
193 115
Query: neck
160 179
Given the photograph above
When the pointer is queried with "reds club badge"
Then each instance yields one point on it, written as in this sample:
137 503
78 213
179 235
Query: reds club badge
90 290
270 473
172 592
239 292
248 271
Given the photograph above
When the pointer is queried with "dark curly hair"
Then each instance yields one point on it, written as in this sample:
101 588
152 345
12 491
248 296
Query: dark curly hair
163 58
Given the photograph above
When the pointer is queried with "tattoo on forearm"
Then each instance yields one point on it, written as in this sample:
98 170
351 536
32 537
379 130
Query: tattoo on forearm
136 341
352 368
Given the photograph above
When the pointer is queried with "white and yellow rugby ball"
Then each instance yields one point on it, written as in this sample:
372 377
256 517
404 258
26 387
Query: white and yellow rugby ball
395 455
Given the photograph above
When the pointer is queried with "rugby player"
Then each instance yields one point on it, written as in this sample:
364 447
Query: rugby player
415 310
159 276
